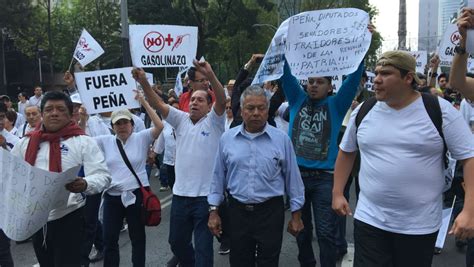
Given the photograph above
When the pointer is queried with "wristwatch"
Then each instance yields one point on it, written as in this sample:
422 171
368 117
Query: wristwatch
212 208
459 50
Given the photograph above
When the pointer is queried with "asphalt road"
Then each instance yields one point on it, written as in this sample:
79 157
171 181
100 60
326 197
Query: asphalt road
158 251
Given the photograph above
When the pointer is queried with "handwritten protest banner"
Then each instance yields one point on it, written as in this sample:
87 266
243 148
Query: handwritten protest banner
272 64
158 46
327 42
336 83
87 49
449 41
107 90
421 58
28 194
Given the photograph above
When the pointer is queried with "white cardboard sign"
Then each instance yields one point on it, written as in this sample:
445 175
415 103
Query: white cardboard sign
421 58
107 90
272 64
159 46
369 85
28 194
450 40
470 34
327 42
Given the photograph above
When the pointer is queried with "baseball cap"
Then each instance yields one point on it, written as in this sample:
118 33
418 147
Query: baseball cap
400 59
121 114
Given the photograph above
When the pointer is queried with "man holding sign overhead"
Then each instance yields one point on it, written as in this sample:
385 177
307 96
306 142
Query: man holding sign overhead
316 118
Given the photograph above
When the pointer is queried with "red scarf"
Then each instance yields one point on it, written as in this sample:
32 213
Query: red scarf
39 135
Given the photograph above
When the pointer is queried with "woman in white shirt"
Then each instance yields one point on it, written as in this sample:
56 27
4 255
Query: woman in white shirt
123 198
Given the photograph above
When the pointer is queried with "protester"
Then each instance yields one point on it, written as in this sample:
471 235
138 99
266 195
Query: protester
315 121
398 214
228 112
197 81
166 143
255 154
9 122
197 135
7 141
459 81
229 88
37 97
20 119
56 145
22 103
123 198
33 119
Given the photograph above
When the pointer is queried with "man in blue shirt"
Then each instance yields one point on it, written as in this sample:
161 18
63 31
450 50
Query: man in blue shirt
255 164
315 121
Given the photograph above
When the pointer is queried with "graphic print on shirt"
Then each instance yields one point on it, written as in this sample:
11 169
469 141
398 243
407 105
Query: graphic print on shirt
312 132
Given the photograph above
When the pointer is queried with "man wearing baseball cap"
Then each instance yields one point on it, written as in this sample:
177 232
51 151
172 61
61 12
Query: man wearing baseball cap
401 172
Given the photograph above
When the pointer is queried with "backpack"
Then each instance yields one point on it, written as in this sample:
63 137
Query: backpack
433 109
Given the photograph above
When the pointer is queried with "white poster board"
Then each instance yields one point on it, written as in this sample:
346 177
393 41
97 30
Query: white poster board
336 83
369 85
443 231
272 64
107 90
87 49
421 58
28 194
327 42
449 41
470 34
159 46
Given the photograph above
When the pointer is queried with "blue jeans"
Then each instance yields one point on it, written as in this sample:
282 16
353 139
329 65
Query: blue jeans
318 195
188 215
114 212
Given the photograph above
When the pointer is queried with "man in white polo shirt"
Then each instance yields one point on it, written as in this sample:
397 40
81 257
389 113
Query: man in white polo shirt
197 137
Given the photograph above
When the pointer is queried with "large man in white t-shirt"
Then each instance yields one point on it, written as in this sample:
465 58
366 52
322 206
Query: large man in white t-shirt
401 174
197 137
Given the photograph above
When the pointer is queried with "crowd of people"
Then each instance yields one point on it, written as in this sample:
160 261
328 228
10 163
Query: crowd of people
237 156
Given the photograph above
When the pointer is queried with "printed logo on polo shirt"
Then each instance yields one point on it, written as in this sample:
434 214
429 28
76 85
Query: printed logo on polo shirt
203 133
64 149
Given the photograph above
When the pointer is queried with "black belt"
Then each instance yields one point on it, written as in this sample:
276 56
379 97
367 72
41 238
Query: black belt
314 173
255 206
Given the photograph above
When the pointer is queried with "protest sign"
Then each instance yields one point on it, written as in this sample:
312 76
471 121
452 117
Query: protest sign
28 194
446 219
272 64
107 90
470 34
421 58
369 85
87 49
336 83
449 41
327 42
159 46
178 85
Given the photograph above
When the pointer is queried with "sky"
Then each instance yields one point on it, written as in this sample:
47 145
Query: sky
387 22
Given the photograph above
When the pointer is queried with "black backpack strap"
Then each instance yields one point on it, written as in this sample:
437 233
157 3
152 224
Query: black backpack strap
127 162
433 109
364 109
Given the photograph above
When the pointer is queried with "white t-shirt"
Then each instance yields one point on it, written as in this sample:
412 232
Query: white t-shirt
196 148
36 101
22 106
20 120
401 175
166 142
98 125
136 148
24 129
467 110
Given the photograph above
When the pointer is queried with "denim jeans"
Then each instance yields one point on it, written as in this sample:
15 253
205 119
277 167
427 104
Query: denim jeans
114 212
318 198
5 254
189 215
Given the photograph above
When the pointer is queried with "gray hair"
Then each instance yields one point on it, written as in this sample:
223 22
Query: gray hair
254 90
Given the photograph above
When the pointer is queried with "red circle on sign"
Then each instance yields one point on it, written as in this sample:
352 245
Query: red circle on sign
455 38
154 42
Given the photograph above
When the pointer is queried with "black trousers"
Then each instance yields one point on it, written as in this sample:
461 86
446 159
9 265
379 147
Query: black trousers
5 254
378 248
256 228
62 245
91 212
